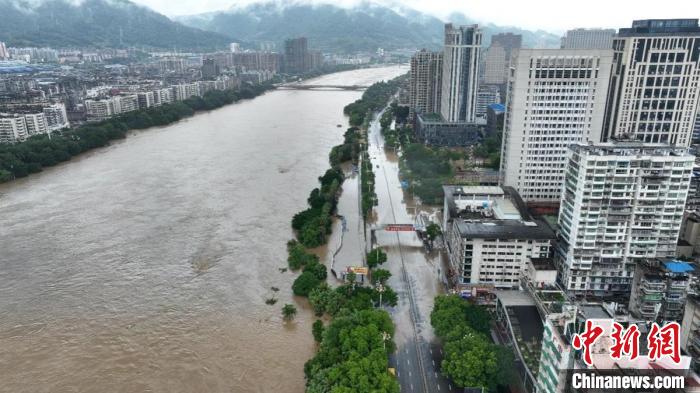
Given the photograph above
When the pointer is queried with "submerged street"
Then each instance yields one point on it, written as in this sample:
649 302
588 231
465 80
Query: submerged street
415 277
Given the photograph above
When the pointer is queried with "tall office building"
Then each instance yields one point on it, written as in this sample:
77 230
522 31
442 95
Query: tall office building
235 47
622 204
296 55
556 97
460 73
654 87
588 39
425 82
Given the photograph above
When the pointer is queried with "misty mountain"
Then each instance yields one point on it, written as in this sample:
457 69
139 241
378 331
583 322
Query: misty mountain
98 23
364 27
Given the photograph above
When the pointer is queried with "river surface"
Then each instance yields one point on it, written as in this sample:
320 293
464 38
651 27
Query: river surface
144 266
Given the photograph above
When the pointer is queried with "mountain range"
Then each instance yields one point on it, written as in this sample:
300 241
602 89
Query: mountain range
366 26
96 23
122 23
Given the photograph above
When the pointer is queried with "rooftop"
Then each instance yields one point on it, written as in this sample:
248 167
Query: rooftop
656 27
618 148
491 212
594 311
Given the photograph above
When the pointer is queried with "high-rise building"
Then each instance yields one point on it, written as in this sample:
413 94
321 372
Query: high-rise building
235 47
696 128
654 87
588 39
210 69
622 204
4 54
460 71
497 58
494 67
296 55
172 64
556 97
425 82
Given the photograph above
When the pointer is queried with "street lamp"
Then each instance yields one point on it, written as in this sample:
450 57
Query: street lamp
385 337
380 289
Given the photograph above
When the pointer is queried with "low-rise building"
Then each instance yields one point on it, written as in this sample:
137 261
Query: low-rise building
432 129
490 236
690 327
659 290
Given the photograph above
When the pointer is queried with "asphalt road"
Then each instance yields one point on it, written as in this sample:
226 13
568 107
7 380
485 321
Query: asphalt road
414 277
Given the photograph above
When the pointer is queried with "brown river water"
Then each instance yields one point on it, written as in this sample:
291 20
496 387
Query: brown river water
144 266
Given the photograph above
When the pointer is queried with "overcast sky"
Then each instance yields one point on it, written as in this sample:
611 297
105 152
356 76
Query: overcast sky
553 15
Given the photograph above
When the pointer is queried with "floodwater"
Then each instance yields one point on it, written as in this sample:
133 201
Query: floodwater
144 266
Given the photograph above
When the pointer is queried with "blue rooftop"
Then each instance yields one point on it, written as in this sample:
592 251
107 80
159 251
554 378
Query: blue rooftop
498 107
679 266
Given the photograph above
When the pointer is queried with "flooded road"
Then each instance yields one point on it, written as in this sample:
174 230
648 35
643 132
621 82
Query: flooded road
145 266
416 276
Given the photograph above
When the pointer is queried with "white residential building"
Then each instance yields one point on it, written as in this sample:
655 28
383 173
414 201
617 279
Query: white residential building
124 104
146 99
13 129
656 81
556 97
56 116
185 91
622 203
490 236
588 39
98 110
460 73
163 96
36 123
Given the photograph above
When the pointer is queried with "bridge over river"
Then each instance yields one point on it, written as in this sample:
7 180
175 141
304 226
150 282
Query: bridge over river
298 86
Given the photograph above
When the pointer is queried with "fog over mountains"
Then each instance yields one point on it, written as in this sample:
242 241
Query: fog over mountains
363 27
121 23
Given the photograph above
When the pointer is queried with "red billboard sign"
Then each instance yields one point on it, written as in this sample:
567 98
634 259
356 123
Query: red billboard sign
399 228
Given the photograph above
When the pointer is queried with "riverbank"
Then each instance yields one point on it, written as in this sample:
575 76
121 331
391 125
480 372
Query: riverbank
41 151
351 306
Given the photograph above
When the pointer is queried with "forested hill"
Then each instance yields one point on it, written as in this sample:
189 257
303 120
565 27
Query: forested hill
96 23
